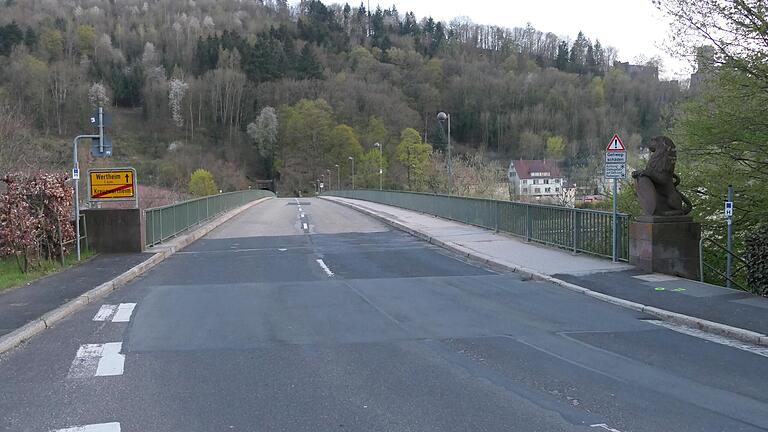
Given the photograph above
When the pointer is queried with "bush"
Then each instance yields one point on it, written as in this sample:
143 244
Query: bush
202 183
757 259
35 216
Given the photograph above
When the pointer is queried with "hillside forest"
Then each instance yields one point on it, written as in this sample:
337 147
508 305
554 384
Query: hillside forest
252 90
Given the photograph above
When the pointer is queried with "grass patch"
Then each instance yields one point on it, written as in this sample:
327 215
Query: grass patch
11 276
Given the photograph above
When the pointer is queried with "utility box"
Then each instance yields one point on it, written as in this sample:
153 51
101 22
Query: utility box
115 230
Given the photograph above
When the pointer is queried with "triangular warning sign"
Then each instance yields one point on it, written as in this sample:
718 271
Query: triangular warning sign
616 145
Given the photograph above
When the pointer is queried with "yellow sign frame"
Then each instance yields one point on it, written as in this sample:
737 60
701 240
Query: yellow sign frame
112 184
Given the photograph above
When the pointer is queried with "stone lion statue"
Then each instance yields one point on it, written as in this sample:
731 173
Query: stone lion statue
657 183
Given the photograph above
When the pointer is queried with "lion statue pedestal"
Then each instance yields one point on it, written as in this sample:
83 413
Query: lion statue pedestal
664 240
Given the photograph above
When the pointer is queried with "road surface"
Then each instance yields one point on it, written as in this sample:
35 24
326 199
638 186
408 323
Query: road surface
303 315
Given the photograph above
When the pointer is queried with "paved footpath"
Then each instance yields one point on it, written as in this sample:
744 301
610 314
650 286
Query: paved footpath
18 306
305 315
720 305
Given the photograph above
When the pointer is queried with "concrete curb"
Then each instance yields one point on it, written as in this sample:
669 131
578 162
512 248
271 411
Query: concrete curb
48 320
662 314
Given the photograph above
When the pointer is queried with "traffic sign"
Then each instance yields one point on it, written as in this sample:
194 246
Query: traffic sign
616 145
729 209
75 174
615 171
106 119
112 184
613 157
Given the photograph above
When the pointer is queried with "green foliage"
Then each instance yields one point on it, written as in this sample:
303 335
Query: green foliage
201 183
757 259
414 155
555 147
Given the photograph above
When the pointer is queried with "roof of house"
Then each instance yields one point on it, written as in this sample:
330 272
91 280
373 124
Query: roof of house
525 168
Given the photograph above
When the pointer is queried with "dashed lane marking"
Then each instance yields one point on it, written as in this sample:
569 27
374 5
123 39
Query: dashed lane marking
325 268
605 427
101 427
118 313
97 360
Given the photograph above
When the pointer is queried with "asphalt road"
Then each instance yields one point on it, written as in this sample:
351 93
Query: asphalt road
302 315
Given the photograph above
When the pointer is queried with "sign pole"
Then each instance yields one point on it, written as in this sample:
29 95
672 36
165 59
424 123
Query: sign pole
76 180
729 256
615 251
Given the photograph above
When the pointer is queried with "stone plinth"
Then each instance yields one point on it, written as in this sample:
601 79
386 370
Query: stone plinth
115 230
668 245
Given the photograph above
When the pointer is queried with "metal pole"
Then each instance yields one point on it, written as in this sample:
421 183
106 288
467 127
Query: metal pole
338 177
76 185
381 166
450 168
729 257
613 231
101 131
353 173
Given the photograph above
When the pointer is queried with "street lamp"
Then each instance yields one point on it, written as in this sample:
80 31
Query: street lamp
353 172
330 178
338 177
442 117
381 169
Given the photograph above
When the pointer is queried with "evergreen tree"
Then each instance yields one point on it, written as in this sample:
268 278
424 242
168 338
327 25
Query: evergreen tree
308 67
562 56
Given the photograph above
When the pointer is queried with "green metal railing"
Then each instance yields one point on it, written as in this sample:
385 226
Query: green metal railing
169 221
579 230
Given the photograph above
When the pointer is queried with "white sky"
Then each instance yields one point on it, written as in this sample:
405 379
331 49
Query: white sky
633 27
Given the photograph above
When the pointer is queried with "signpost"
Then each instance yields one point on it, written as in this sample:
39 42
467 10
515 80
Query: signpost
97 120
729 255
112 184
615 169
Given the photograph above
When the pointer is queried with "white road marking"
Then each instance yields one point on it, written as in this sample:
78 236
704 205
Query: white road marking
303 215
101 427
97 360
105 311
605 426
325 268
118 313
722 340
656 277
124 312
112 362
282 249
305 226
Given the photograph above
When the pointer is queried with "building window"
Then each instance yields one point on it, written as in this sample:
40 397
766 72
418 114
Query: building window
535 181
557 189
525 190
537 190
548 190
546 181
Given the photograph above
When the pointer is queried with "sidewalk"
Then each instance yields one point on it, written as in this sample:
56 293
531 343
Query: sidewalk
19 306
692 299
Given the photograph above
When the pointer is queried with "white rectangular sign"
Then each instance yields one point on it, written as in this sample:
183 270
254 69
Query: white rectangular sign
615 171
615 157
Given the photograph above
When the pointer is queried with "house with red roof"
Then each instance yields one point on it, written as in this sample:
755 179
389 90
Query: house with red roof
536 180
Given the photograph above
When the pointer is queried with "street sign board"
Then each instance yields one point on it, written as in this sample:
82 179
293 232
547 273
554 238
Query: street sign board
75 173
615 171
616 145
106 119
729 209
97 150
112 184
613 157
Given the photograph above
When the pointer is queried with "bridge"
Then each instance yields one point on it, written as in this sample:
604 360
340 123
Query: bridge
377 311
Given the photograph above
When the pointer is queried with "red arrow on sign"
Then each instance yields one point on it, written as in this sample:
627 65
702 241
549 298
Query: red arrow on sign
616 145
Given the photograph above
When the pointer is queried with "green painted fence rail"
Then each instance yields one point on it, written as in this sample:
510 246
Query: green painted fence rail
578 230
162 223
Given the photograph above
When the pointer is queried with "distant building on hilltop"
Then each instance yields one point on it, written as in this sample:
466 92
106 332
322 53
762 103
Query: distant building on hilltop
705 62
535 180
635 71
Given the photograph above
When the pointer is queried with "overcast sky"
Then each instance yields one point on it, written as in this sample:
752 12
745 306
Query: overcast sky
633 27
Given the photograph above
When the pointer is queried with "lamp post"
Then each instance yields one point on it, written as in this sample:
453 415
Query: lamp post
330 178
338 177
381 166
441 117
353 172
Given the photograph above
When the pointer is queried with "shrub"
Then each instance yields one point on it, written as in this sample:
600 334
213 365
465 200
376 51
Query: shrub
757 259
35 217
202 183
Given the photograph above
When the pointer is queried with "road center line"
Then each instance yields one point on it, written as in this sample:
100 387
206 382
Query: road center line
325 268
101 427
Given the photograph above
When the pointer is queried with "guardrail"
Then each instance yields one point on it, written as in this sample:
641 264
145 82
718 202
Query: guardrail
162 223
579 230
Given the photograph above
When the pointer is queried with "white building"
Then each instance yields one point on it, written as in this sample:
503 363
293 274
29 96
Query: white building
536 180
